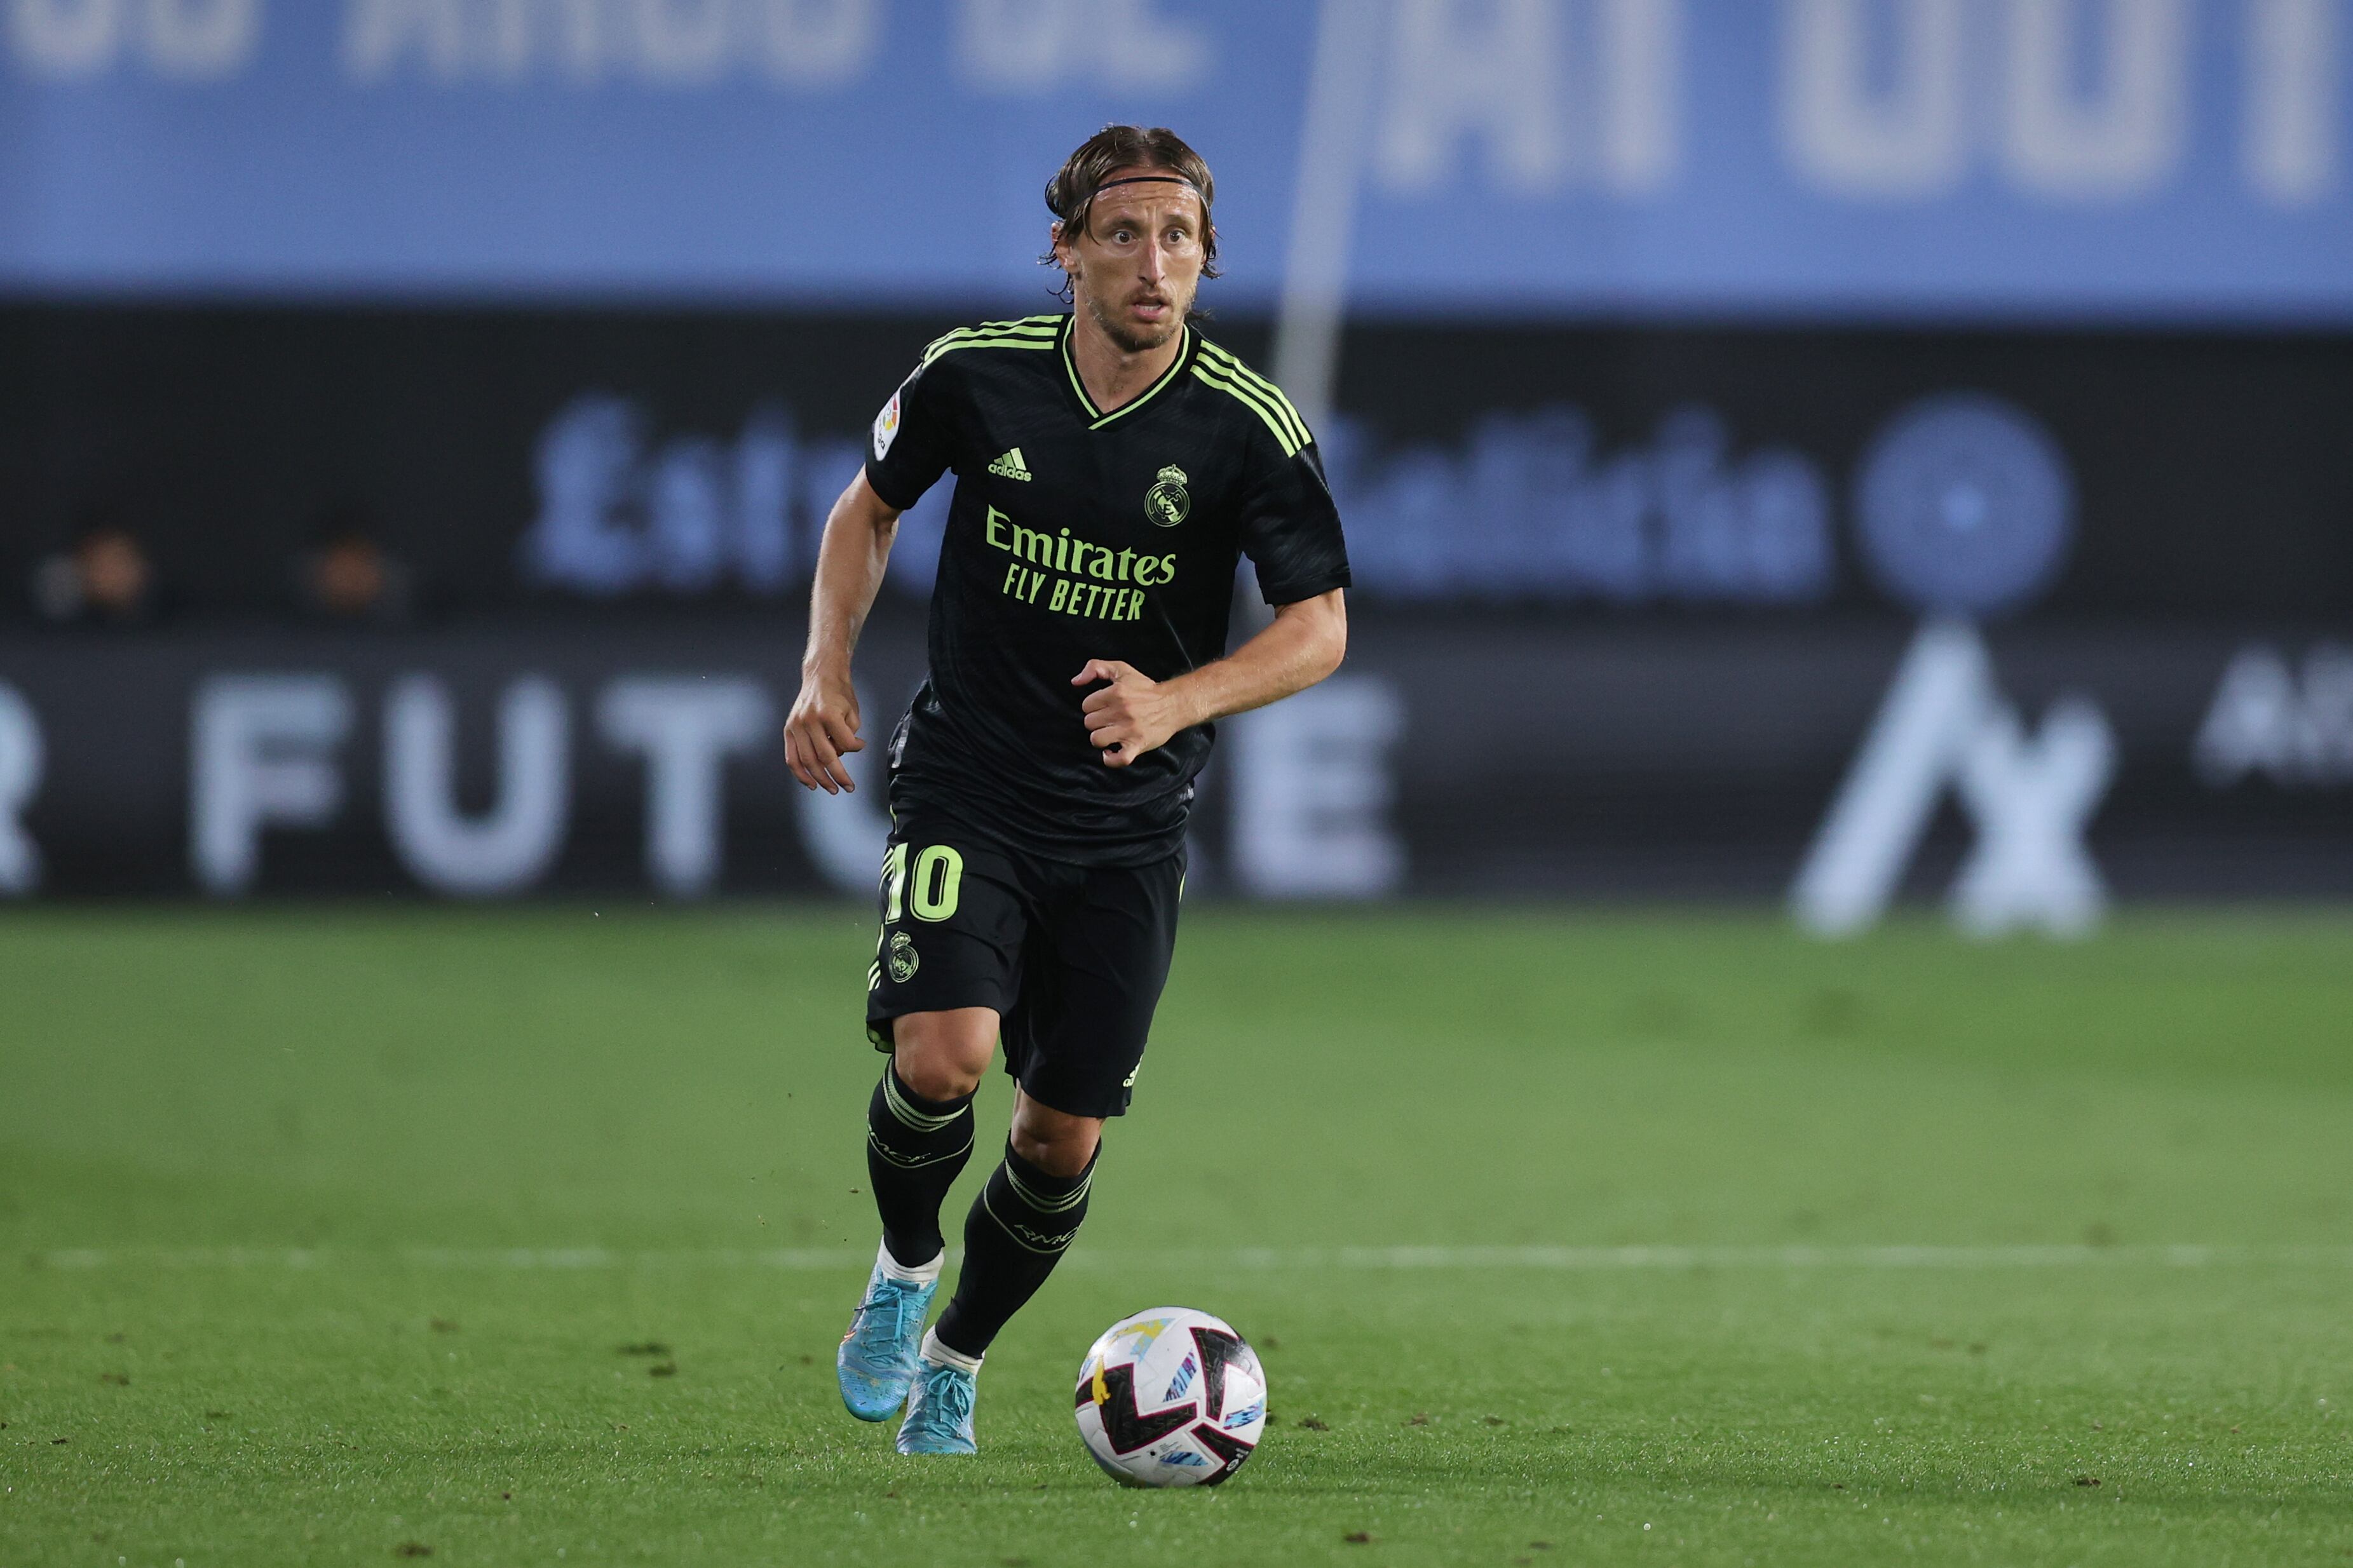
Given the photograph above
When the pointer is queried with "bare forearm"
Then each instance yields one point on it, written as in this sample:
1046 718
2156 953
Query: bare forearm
850 561
1130 714
1305 643
822 729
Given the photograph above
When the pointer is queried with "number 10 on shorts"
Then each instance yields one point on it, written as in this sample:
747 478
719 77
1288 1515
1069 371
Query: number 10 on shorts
928 886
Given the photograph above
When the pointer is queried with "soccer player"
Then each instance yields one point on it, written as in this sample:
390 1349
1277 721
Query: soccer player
1113 465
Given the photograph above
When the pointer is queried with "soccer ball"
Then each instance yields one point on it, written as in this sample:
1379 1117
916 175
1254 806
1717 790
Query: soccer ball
1171 1397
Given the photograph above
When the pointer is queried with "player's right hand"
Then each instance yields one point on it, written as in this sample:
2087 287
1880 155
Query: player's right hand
821 730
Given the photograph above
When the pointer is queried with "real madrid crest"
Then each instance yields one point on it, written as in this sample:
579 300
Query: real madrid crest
1165 503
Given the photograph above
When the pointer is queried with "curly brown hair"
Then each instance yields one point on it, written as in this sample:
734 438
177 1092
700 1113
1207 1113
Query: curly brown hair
1071 192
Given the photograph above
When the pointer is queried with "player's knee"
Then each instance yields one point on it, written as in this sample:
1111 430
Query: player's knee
935 1080
944 1056
1057 1145
936 1073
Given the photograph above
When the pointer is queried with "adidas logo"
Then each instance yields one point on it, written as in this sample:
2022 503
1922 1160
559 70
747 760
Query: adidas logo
1008 467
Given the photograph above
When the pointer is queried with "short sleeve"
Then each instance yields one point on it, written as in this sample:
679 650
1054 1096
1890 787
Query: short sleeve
909 448
1290 526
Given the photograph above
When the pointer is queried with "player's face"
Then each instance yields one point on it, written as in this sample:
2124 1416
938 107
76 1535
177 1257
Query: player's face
1138 264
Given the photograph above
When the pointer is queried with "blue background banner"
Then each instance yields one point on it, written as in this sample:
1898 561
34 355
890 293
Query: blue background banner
2003 159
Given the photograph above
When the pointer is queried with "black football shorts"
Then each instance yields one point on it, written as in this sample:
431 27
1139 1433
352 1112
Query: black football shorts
1071 957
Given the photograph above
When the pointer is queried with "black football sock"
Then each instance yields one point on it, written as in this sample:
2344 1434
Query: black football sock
914 1150
1020 1227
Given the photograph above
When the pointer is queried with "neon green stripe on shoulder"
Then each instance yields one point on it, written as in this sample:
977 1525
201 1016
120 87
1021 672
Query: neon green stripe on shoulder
975 338
1271 394
1249 400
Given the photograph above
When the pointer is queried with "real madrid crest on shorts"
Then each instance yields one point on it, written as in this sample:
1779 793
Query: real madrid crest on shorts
1166 502
903 958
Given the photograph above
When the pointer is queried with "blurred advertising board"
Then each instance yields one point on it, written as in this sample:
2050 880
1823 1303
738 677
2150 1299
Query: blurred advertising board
2178 159
638 759
2027 617
679 457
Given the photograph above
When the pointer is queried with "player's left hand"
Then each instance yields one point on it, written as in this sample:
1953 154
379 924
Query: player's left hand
1130 716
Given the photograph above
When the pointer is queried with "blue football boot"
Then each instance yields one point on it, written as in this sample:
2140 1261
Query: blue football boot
939 1411
877 1359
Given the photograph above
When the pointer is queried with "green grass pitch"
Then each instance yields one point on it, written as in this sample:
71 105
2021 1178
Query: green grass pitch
338 1235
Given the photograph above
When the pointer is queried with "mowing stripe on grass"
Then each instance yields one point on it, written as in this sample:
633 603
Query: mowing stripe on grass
1243 1259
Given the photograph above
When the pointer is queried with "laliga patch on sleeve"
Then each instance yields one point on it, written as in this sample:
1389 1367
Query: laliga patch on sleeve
886 428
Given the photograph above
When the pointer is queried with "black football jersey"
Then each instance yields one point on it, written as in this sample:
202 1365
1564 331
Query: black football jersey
1077 534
